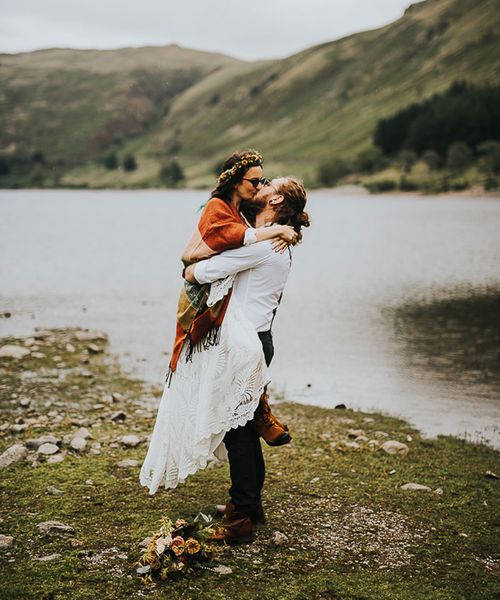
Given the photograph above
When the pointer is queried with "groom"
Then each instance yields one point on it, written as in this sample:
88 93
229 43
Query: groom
261 276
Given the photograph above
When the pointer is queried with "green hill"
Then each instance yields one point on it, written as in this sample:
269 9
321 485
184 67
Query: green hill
300 111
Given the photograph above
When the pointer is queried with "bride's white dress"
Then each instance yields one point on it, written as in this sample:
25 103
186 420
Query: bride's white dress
217 391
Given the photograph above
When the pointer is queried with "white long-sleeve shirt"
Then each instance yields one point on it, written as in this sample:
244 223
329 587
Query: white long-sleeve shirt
261 277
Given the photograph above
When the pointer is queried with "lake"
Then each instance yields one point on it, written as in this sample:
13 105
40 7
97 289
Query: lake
392 305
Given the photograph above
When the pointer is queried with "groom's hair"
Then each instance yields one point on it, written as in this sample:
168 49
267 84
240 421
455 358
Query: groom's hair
291 210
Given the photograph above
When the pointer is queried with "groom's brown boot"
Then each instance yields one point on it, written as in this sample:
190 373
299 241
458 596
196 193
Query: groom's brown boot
237 527
267 425
258 517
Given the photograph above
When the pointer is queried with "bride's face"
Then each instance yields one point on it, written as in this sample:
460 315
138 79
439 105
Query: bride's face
250 185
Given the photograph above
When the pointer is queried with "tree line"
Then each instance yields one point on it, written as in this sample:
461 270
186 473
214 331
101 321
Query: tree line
463 113
448 133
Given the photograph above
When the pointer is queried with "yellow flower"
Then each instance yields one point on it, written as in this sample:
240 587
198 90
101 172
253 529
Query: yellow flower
192 546
180 523
177 545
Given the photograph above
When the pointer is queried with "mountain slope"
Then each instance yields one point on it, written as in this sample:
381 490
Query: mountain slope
72 104
165 103
326 101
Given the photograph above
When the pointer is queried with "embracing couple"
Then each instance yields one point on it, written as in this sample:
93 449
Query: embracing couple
214 404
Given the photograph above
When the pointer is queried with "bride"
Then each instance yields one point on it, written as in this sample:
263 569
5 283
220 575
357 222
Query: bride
213 390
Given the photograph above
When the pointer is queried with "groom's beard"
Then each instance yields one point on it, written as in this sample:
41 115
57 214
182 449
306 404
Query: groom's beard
251 208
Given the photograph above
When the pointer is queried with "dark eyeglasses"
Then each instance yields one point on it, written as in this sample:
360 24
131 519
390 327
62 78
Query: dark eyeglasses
255 181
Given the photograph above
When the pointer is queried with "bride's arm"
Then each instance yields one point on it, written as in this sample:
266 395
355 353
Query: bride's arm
283 232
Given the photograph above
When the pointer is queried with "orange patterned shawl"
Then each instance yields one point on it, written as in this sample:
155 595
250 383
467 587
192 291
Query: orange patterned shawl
221 227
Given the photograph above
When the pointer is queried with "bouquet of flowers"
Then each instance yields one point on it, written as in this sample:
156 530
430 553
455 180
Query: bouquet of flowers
178 547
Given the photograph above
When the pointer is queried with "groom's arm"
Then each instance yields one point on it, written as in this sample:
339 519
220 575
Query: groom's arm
228 262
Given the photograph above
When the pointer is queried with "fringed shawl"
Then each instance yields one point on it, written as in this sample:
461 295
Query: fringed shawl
220 228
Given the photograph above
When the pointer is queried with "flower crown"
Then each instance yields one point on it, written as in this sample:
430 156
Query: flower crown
251 159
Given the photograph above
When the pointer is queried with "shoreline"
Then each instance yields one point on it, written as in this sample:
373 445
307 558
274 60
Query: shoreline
347 189
349 524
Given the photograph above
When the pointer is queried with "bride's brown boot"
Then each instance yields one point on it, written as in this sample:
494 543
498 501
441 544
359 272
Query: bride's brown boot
267 425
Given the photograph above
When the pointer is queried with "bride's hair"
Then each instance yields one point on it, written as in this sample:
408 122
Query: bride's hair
233 170
291 210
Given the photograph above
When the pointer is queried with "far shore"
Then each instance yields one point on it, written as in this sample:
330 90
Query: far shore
344 190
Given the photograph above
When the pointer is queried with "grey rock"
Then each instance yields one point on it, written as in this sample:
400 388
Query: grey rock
38 355
90 336
25 402
34 444
78 444
13 351
95 448
145 542
128 462
6 541
416 487
222 570
346 420
55 528
70 348
55 458
438 491
130 441
48 448
48 557
373 443
352 445
94 348
354 433
279 538
83 432
395 447
19 427
12 455
117 397
51 489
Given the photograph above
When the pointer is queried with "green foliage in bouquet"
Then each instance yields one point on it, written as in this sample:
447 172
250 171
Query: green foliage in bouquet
178 548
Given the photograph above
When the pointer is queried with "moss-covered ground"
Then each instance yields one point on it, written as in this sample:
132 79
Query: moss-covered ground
351 531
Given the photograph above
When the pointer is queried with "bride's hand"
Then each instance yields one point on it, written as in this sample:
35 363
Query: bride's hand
286 236
279 245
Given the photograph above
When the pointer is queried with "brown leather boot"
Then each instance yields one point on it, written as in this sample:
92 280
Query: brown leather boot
237 528
267 425
258 518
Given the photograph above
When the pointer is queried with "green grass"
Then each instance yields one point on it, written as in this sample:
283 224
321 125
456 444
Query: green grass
352 532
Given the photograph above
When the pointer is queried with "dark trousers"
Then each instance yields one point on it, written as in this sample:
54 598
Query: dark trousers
246 462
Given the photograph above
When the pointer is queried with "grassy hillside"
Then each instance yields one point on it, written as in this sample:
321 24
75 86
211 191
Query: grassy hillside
73 104
299 111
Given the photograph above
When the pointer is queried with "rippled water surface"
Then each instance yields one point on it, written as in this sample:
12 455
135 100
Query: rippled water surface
392 304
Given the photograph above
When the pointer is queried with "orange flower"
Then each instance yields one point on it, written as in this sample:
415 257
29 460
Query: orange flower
177 545
180 523
192 546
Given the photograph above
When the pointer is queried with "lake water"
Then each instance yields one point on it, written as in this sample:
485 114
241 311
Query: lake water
392 305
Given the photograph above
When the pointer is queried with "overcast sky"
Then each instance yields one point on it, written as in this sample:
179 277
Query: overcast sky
248 29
